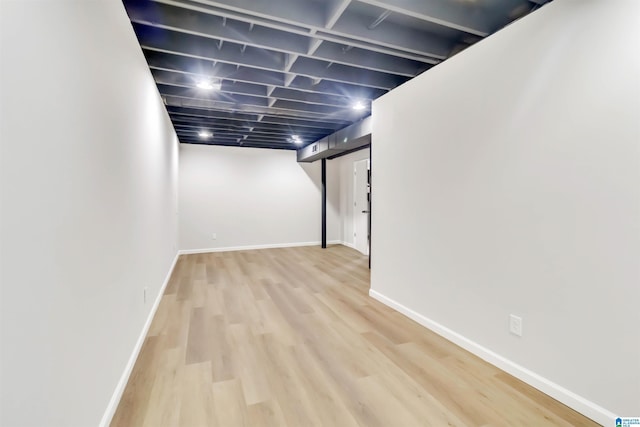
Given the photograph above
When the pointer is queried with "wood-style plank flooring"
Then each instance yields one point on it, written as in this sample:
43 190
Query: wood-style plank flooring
290 337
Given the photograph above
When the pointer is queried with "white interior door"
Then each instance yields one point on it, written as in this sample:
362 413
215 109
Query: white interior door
361 205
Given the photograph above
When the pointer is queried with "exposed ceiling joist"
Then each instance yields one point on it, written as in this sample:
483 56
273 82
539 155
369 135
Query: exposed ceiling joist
254 73
470 18
390 41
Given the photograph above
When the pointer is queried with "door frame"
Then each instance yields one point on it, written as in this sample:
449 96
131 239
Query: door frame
355 195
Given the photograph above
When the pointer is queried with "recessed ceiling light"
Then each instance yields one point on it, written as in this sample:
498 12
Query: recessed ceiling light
205 134
208 85
359 106
296 139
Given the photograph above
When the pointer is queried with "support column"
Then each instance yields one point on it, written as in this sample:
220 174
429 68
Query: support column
324 203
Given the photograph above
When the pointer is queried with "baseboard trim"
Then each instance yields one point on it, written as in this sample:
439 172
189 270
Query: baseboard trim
349 245
567 397
117 394
253 247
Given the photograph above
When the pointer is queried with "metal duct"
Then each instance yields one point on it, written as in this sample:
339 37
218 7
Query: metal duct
354 136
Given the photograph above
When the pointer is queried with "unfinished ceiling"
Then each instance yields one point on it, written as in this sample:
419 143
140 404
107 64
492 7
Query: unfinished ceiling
284 73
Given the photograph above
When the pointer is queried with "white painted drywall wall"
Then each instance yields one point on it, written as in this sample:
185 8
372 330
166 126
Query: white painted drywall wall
342 168
333 203
88 207
250 197
507 180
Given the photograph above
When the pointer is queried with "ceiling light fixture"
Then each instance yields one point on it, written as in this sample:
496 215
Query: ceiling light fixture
204 134
208 85
296 139
359 106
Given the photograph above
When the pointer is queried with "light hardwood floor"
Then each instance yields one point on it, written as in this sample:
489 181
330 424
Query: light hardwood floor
290 337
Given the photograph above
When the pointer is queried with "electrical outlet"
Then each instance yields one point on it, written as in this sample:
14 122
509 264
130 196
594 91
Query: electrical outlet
515 325
144 294
214 236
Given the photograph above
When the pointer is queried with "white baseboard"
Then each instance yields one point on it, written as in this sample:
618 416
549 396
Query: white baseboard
253 247
349 245
117 394
572 400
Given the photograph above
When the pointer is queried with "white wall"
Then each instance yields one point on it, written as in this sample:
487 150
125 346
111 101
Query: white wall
507 180
88 207
250 197
341 169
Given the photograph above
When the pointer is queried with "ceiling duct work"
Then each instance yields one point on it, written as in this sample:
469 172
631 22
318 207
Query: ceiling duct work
347 139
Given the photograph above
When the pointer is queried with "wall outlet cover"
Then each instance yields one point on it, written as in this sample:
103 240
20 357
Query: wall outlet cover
515 325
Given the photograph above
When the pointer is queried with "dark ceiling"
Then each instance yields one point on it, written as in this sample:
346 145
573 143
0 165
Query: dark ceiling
284 68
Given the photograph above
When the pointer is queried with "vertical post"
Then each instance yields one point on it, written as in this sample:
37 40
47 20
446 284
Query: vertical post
370 197
324 203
